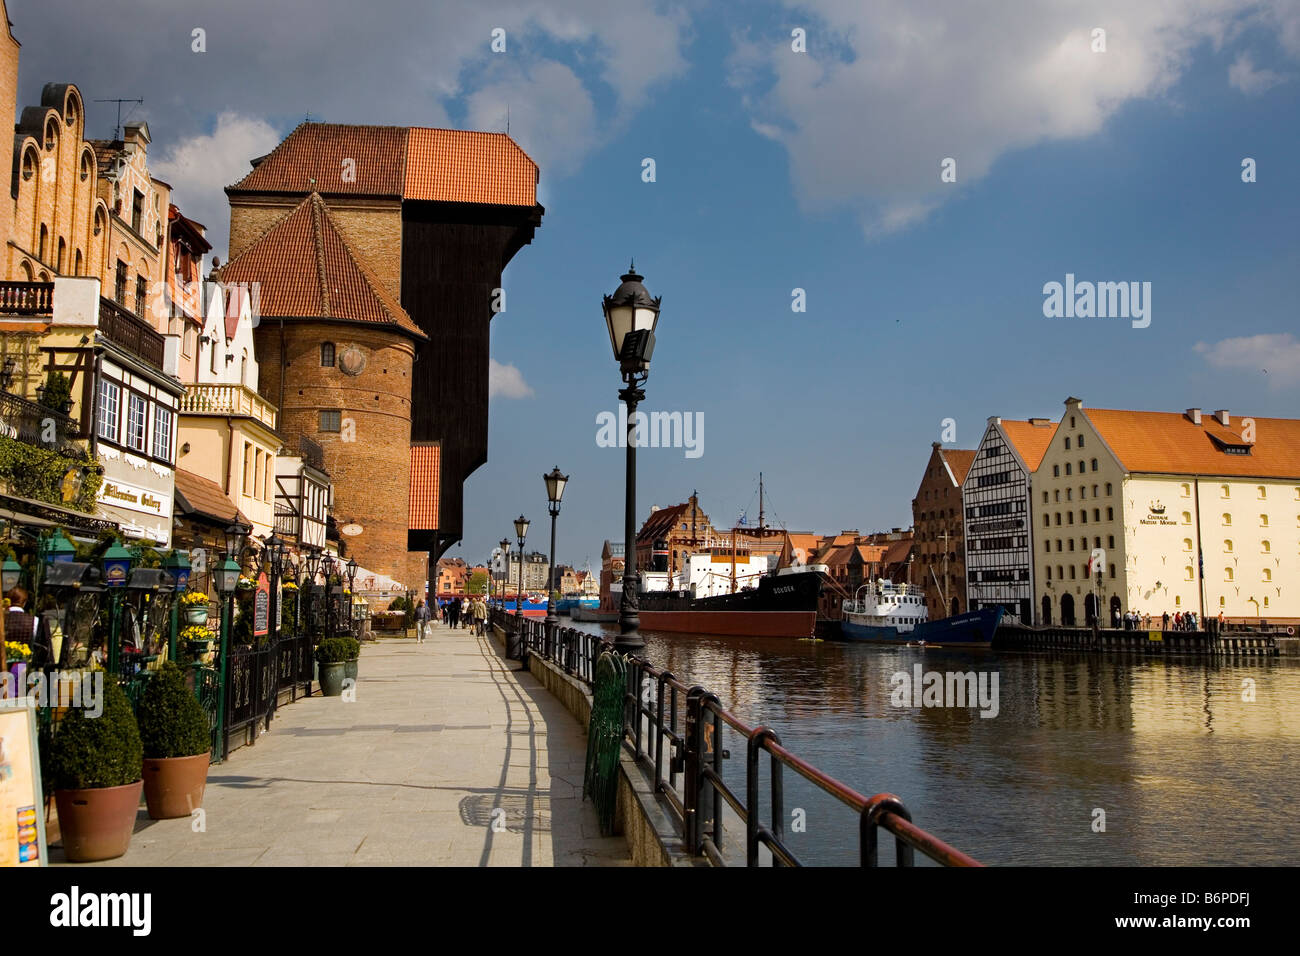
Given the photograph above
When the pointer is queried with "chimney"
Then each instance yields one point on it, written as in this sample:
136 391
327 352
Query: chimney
1041 422
1222 415
1195 415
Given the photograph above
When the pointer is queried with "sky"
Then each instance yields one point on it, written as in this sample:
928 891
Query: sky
852 213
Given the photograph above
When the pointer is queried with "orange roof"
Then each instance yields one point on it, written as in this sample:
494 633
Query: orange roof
305 269
1030 440
661 520
1171 443
959 460
196 494
443 165
449 165
424 486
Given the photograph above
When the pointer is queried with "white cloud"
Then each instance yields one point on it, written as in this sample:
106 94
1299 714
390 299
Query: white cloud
506 381
552 116
1276 355
1243 76
888 89
200 166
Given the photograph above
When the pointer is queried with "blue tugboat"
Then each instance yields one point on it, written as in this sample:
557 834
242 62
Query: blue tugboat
896 614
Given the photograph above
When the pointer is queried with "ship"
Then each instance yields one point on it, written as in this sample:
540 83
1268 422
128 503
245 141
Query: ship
888 613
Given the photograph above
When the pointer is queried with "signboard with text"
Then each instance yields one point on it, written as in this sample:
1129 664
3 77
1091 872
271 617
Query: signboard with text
22 807
261 607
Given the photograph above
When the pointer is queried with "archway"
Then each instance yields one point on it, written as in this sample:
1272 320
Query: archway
955 608
1047 611
1114 606
1067 610
1089 608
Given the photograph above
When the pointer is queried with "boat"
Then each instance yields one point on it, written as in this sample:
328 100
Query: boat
573 599
591 612
889 613
534 605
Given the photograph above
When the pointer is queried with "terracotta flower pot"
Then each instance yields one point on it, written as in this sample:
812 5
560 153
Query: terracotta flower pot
97 824
173 786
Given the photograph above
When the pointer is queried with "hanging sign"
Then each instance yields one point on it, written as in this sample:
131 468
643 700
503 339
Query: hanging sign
22 816
261 607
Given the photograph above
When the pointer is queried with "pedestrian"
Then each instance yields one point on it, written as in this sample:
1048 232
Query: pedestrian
1164 621
466 617
480 616
423 619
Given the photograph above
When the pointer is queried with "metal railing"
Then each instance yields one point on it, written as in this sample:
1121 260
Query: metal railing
675 732
35 424
130 332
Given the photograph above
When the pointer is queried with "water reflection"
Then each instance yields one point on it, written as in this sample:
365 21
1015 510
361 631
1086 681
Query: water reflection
1187 768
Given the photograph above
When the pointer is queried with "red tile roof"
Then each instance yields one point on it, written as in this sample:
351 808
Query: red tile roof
1030 440
196 494
661 521
443 165
959 461
1171 443
423 510
305 269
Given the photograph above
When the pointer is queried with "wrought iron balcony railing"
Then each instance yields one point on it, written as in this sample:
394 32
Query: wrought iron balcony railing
34 424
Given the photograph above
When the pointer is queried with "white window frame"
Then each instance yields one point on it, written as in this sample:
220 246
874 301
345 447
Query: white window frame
162 418
110 395
135 401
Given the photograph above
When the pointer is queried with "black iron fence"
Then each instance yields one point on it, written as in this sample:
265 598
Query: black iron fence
677 734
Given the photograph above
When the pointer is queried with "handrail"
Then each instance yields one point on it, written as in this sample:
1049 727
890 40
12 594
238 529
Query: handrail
696 754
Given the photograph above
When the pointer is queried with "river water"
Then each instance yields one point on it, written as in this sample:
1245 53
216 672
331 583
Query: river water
1186 767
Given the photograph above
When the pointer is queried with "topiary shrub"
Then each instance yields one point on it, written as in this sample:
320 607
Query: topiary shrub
89 753
354 648
336 650
172 722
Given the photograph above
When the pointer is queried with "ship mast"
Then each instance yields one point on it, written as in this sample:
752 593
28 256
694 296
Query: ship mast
760 505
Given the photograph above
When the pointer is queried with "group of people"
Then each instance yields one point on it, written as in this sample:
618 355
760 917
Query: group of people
1179 621
455 612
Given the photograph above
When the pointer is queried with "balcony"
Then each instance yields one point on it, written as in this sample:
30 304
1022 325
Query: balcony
233 400
131 333
26 298
37 425
312 454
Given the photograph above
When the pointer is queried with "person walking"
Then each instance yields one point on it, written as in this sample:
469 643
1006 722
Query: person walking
1164 621
423 619
466 616
480 616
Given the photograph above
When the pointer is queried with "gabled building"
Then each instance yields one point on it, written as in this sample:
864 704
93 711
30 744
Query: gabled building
673 534
998 497
432 217
939 566
336 351
1195 512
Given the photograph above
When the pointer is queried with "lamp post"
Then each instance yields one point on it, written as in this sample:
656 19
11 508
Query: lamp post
505 571
555 483
116 562
178 566
327 569
631 316
227 580
521 532
352 579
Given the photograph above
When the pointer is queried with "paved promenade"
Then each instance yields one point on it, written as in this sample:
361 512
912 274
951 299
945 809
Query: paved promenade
442 739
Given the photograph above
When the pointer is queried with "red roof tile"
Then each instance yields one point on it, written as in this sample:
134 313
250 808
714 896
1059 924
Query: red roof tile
1171 443
196 494
1030 440
424 486
305 269
443 165
959 460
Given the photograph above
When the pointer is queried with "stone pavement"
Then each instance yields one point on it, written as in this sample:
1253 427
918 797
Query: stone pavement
442 739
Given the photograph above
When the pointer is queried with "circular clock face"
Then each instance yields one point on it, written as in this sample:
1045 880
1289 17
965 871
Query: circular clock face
352 361
351 530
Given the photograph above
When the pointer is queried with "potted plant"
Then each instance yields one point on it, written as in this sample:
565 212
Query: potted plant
197 639
95 765
354 654
194 604
177 741
333 654
18 655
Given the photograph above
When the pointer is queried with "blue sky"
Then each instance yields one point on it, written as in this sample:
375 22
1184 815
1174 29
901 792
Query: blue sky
778 170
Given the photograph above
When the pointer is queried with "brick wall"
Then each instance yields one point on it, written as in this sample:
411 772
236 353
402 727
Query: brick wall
369 458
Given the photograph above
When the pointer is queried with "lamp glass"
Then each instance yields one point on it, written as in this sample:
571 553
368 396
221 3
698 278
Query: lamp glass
227 576
10 574
521 527
555 483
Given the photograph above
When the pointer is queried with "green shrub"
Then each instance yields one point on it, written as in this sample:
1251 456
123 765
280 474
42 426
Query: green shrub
93 752
354 647
172 722
334 650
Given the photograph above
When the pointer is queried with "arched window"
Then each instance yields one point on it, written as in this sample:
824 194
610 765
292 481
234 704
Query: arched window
26 269
327 360
1263 492
1227 520
1187 544
243 368
1067 468
1227 574
1108 489
85 165
1094 463
72 111
1263 521
45 237
1223 491
1187 573
1187 517
29 165
1081 466
51 133
63 254
80 264
1268 575
99 221
1265 546
1067 444
1080 441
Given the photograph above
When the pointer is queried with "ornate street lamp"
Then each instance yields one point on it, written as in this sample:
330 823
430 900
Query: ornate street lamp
631 316
521 531
327 569
116 564
178 566
11 573
226 579
236 540
351 571
555 483
505 569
